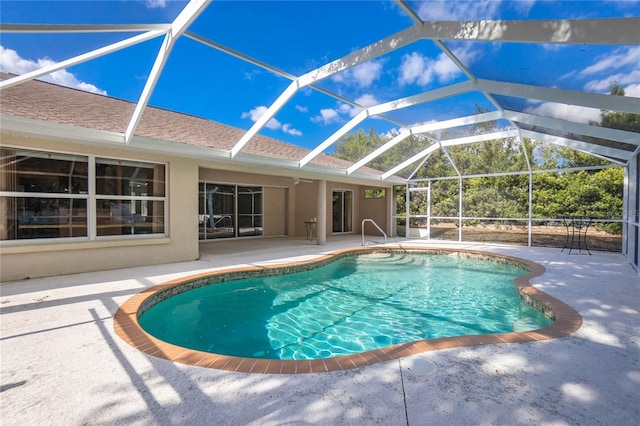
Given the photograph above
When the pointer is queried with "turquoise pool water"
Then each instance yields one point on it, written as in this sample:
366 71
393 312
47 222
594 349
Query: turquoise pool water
355 304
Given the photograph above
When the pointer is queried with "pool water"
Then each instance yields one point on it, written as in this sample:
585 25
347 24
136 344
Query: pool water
353 305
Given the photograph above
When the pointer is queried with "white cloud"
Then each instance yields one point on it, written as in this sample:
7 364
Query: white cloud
156 4
523 6
12 62
302 108
250 75
366 73
620 67
257 112
362 75
551 47
632 90
392 133
327 116
290 130
343 111
619 59
367 100
272 124
621 79
416 68
447 10
347 109
413 68
577 114
444 67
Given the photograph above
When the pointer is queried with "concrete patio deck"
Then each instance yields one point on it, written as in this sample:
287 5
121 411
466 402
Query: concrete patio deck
62 363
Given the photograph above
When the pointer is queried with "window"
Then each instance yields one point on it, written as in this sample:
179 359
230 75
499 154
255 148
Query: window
129 197
229 211
249 210
42 195
216 212
375 193
49 195
342 211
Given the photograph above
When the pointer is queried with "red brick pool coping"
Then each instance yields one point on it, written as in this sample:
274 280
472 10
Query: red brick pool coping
567 321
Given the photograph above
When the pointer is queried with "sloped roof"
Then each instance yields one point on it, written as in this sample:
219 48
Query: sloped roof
39 100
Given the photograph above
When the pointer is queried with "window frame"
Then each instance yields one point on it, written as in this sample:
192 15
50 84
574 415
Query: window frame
371 193
204 217
95 197
91 198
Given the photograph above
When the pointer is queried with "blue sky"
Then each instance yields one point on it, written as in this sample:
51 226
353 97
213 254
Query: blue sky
299 36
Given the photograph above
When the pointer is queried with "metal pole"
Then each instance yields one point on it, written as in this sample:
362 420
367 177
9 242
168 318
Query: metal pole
429 210
460 211
407 227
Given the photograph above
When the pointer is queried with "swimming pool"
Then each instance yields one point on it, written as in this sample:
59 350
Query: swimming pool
303 325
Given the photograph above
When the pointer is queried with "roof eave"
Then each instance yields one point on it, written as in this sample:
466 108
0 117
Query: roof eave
41 129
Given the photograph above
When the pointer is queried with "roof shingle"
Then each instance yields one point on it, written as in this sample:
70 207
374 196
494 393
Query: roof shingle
50 102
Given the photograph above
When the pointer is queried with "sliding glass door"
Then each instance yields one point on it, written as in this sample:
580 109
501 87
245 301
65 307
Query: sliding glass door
229 211
342 211
249 211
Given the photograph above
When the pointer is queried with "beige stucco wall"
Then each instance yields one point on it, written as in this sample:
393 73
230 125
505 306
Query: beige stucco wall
302 198
275 212
378 209
286 207
305 201
26 259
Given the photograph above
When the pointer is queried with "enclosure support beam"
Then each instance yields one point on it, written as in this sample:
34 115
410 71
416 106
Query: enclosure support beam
376 110
625 211
610 153
620 31
530 222
569 127
189 14
429 210
321 224
562 96
76 60
460 209
407 205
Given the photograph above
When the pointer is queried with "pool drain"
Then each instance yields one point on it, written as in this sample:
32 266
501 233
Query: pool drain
418 366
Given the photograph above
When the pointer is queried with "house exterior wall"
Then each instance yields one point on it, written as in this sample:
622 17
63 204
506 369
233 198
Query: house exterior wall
286 207
378 210
277 221
275 212
29 259
302 201
305 202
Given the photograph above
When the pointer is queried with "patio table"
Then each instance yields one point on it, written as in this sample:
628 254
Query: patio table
577 228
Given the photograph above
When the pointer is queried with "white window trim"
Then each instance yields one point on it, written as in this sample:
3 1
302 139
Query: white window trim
91 198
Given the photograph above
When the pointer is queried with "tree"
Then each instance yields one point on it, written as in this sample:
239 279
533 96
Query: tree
596 193
355 146
620 120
